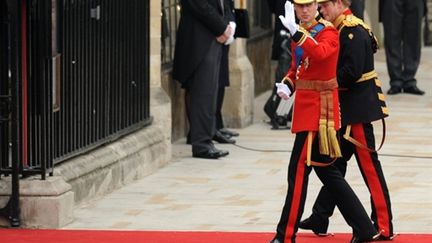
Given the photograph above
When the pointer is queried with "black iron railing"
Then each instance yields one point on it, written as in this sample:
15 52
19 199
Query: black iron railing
91 81
75 76
10 108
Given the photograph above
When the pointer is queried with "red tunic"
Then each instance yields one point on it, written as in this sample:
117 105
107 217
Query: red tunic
318 64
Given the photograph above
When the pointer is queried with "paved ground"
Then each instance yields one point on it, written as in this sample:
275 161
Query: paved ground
245 191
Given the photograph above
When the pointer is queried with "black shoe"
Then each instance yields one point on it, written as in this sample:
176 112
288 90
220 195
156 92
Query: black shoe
220 138
228 133
385 238
319 227
413 90
274 124
222 153
356 239
281 120
275 241
211 153
394 90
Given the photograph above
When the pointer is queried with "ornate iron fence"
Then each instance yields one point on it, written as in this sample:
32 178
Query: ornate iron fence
76 76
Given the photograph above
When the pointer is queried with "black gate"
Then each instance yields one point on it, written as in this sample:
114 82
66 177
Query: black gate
10 108
81 78
90 79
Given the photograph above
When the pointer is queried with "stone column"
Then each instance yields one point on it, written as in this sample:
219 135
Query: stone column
160 103
239 96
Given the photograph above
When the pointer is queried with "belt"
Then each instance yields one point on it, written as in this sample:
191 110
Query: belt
317 85
328 141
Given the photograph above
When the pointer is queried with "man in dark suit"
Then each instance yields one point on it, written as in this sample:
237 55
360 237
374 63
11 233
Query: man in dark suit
203 29
402 21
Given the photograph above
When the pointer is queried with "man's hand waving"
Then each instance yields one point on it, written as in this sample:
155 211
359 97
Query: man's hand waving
289 19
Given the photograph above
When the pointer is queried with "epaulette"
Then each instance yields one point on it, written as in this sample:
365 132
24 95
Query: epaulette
352 21
301 35
325 22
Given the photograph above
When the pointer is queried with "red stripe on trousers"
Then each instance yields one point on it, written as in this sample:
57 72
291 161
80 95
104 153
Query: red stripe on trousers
372 179
297 194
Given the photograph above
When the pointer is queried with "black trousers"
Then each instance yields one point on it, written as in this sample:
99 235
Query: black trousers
201 97
345 198
224 81
371 170
219 104
402 21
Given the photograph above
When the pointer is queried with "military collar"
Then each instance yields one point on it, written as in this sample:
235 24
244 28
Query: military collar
338 22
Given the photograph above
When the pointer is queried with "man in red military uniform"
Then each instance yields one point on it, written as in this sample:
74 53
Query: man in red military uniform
315 45
361 102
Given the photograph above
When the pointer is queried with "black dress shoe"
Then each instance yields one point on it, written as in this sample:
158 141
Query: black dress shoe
394 90
211 153
318 226
356 239
220 138
229 133
413 90
385 238
221 152
274 124
275 240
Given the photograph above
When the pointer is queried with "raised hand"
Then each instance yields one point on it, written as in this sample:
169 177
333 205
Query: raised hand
289 19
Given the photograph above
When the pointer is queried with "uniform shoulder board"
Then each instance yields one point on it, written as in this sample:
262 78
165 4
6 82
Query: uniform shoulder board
352 21
325 22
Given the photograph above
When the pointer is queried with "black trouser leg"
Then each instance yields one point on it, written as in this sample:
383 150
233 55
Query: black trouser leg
392 18
325 204
411 41
203 96
271 106
219 104
347 202
298 174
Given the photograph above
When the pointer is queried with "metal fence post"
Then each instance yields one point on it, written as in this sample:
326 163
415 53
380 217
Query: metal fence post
12 209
